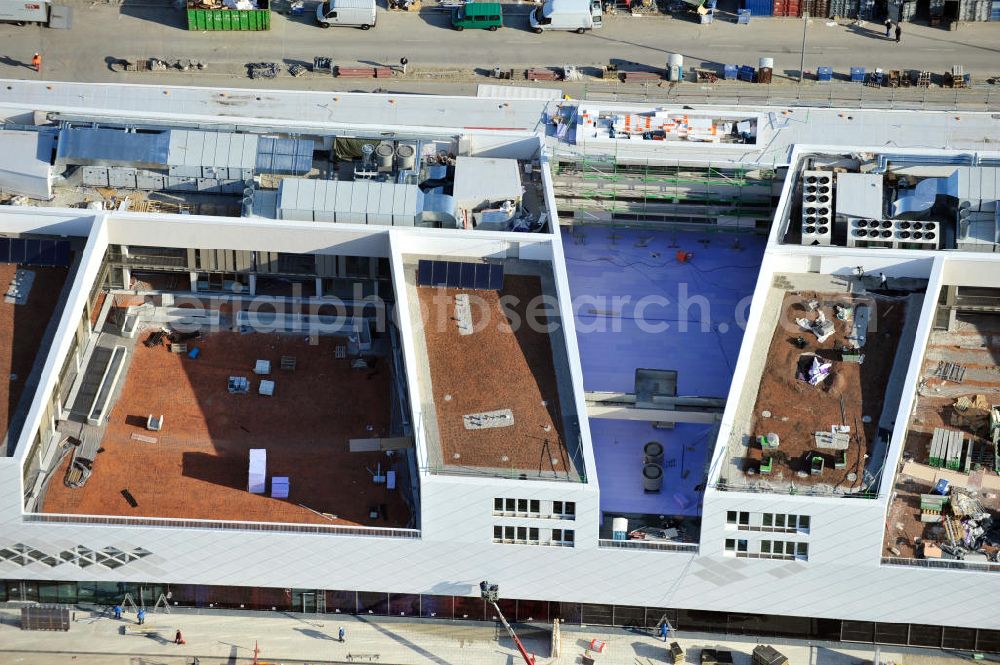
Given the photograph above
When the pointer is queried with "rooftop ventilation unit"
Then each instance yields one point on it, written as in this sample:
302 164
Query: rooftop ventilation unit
896 234
916 235
869 233
817 207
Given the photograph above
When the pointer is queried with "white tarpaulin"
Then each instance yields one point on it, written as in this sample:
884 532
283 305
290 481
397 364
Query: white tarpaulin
24 165
257 480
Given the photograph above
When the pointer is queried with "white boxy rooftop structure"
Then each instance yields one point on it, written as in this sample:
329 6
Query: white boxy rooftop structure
693 415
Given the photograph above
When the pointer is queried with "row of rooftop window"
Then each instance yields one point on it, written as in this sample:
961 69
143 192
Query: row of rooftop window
529 535
768 549
507 507
775 522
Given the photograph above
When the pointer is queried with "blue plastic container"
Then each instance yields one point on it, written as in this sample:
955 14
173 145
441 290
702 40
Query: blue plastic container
194 353
759 7
857 74
941 487
746 73
743 16
824 73
730 72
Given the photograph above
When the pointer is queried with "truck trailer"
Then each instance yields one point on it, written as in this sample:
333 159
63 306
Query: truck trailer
42 12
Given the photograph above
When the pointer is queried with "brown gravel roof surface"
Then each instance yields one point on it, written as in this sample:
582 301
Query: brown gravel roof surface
198 466
492 369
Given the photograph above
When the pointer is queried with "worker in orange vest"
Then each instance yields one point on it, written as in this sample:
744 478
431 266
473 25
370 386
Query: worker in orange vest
36 61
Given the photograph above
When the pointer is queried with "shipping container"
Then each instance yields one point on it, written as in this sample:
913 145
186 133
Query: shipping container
995 11
230 19
758 7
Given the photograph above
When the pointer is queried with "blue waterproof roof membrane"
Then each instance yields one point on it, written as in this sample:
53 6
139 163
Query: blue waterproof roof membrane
618 453
670 300
636 305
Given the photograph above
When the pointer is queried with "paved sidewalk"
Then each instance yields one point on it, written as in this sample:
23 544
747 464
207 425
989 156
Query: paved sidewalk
296 638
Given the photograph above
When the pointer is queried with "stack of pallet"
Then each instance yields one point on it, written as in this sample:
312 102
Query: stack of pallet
817 8
932 507
844 8
974 10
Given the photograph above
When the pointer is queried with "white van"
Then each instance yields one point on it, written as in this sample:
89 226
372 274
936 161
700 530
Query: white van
356 13
576 15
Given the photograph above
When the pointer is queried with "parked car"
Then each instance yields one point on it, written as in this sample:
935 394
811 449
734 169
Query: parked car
478 16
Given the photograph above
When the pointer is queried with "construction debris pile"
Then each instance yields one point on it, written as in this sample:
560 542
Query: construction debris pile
972 413
817 372
959 527
266 70
157 65
819 326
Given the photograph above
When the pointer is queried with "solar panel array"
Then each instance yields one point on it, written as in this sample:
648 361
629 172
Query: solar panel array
455 275
34 252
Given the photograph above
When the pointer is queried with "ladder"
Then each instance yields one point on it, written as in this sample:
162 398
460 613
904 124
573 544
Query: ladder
162 601
955 536
127 602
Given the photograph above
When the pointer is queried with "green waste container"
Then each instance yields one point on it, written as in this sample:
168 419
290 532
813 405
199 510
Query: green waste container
230 19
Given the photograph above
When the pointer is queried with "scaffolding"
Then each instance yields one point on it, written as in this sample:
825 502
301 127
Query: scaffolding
605 189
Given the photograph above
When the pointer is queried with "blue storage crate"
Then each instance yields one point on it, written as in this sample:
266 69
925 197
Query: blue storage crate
746 73
857 74
730 72
941 487
743 16
758 7
824 73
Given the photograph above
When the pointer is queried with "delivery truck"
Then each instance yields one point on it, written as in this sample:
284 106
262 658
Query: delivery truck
42 12
575 15
352 13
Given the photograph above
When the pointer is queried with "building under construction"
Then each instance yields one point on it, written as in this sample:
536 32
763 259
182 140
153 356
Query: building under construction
399 345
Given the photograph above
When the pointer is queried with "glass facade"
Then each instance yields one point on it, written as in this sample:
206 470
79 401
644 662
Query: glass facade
380 603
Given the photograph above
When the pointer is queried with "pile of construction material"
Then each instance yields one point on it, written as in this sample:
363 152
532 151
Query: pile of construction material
364 72
972 413
267 70
967 531
819 326
764 654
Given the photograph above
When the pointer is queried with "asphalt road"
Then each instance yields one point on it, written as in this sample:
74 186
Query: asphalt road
102 33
